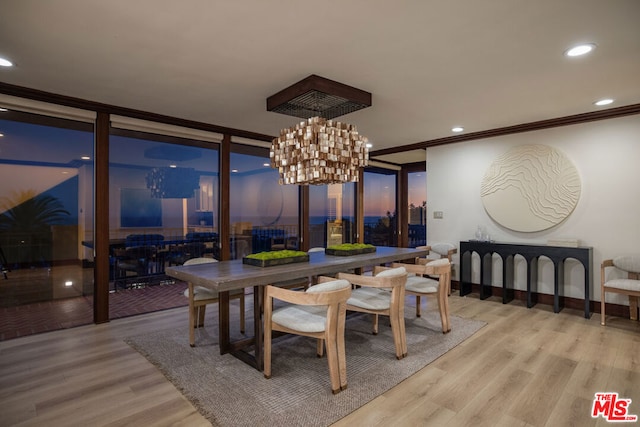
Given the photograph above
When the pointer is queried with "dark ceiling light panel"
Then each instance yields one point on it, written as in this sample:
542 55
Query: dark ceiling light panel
316 96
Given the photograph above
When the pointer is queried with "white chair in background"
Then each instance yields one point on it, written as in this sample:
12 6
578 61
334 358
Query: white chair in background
421 283
629 286
439 251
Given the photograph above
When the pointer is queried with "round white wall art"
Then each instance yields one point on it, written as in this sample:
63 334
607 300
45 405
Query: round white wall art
530 188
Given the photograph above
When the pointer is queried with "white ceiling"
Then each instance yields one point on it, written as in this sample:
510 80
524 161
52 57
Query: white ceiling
429 64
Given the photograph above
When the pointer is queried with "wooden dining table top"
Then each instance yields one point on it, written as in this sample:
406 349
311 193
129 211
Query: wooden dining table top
231 275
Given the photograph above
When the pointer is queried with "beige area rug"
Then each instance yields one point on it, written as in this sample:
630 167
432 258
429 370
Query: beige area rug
230 393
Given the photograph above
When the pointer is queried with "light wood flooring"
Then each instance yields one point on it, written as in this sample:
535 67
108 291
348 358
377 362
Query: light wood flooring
527 367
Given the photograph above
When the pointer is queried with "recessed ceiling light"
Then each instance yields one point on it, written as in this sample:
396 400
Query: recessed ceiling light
173 166
68 283
457 129
266 164
368 145
3 109
579 50
234 170
604 102
5 62
1 135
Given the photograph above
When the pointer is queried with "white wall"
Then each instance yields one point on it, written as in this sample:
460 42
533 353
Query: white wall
607 156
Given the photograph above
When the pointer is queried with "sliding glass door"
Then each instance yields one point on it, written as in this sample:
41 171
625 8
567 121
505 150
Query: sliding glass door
46 223
163 210
380 214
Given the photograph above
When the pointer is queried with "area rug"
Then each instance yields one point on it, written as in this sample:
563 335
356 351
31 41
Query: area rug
230 393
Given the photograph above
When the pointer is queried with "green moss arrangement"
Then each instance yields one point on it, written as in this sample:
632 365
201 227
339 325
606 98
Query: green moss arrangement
350 246
276 254
347 249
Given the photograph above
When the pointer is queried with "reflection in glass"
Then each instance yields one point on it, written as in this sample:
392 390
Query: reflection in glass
331 214
263 214
46 212
163 208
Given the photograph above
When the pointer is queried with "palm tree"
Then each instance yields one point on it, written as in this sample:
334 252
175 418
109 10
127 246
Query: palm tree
27 224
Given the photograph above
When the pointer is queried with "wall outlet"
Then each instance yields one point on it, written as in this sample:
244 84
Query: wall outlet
438 214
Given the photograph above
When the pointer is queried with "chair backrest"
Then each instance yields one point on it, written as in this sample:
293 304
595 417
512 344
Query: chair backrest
630 264
391 277
329 291
383 277
332 285
442 249
201 260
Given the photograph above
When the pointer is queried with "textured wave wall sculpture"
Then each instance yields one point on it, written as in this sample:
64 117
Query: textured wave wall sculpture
530 188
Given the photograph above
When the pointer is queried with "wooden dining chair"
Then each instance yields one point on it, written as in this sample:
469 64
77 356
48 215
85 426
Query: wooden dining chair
439 251
629 285
319 312
421 283
200 297
381 294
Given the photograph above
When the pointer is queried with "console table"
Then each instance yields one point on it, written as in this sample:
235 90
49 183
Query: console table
531 253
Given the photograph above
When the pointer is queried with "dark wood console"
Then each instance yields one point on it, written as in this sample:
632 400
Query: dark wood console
531 253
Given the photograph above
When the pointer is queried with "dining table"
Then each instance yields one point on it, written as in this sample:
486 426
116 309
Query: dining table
226 276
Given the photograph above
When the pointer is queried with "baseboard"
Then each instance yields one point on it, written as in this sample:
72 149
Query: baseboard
617 310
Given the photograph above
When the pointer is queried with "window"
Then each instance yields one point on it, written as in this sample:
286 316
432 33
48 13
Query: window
163 206
417 196
331 214
46 215
380 219
263 214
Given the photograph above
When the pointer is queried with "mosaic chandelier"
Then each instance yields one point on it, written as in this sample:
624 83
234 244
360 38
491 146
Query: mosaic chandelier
319 150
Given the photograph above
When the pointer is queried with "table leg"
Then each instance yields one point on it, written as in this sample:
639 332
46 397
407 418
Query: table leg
224 337
258 300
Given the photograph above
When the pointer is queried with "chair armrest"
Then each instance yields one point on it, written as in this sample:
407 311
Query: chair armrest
283 294
306 298
606 263
426 248
373 281
411 268
436 266
357 279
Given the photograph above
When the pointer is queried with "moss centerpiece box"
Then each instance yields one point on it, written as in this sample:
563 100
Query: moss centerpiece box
348 249
271 258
